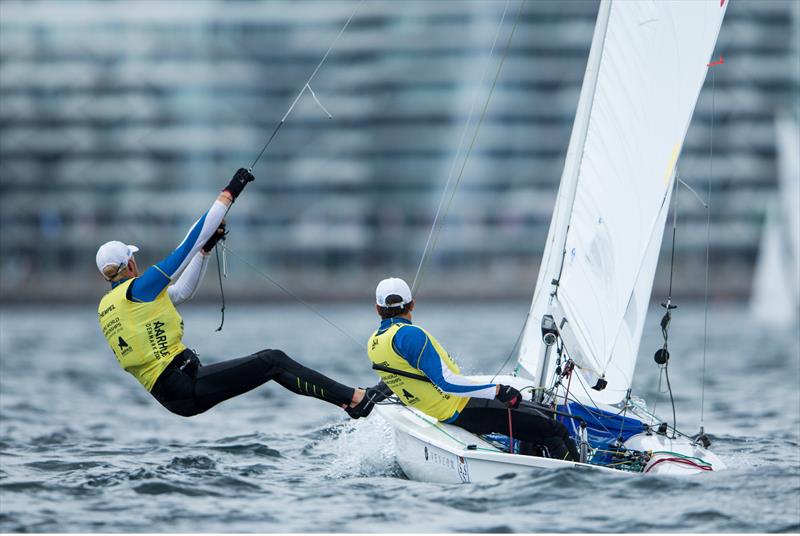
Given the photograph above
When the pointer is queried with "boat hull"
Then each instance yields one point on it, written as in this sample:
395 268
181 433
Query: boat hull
437 452
431 451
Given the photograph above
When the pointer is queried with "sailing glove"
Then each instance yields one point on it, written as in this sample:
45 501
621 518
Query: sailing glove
374 394
509 396
239 181
218 235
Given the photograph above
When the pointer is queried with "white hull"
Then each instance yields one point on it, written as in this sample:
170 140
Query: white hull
434 452
431 451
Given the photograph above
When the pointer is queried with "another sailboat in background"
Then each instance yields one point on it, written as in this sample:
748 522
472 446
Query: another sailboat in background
775 299
646 67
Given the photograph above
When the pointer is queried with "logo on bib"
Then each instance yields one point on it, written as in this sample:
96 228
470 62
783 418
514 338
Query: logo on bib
410 397
124 347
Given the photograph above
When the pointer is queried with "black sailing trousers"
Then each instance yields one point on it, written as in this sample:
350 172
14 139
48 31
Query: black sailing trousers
187 388
481 416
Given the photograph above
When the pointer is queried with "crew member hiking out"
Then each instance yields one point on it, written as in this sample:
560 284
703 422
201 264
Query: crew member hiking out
400 351
139 320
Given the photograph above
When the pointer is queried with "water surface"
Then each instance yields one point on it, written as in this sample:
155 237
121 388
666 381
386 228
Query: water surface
84 448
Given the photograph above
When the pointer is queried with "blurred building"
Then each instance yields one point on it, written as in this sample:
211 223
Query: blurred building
120 120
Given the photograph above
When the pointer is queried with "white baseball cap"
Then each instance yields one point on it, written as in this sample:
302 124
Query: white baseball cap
114 253
392 286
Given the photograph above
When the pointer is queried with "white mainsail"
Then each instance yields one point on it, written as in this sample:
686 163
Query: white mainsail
646 68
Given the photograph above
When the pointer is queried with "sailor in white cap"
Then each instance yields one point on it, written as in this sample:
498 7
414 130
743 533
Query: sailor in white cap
145 331
418 370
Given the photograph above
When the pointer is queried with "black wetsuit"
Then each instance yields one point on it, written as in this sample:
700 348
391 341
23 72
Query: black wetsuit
186 387
481 416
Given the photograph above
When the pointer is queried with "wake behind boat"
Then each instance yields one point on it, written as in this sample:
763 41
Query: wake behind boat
578 349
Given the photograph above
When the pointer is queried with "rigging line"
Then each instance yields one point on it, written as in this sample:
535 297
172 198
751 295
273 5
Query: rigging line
688 187
658 392
513 349
294 296
674 232
221 289
458 148
580 382
582 405
672 400
307 86
708 249
433 238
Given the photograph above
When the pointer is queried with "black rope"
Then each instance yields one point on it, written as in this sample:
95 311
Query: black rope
221 290
662 354
271 137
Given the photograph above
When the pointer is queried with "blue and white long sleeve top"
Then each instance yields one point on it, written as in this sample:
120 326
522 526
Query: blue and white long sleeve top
185 266
414 345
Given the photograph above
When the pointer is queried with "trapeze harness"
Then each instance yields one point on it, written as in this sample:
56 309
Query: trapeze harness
139 320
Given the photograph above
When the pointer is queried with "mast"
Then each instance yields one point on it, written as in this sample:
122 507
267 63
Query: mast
551 264
569 177
645 69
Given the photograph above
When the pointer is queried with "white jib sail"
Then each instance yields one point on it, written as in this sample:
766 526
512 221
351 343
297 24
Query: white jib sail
646 69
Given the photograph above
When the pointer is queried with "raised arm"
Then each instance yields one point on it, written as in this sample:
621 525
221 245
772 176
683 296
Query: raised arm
156 278
414 345
186 286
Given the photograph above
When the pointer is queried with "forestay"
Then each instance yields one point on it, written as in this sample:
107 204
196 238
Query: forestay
646 68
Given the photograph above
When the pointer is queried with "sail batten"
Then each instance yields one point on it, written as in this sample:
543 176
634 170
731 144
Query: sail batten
606 233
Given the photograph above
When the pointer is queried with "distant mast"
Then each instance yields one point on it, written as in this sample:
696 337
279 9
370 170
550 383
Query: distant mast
646 68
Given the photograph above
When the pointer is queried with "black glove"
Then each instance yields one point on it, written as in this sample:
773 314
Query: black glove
374 394
509 396
218 235
239 181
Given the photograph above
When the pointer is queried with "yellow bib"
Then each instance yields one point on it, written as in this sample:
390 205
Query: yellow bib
144 336
418 394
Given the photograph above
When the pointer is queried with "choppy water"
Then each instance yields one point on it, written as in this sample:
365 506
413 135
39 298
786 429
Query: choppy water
83 448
